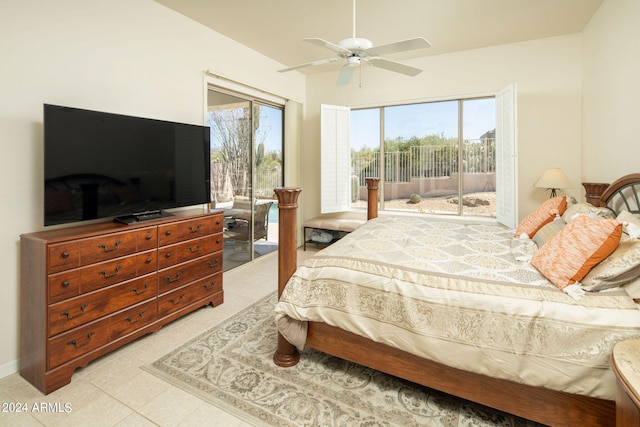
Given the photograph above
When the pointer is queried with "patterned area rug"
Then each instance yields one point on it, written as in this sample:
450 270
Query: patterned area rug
231 366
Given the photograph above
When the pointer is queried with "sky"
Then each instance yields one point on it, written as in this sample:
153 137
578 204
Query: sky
434 118
269 132
271 125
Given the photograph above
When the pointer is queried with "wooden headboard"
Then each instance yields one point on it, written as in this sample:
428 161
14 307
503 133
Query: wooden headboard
621 195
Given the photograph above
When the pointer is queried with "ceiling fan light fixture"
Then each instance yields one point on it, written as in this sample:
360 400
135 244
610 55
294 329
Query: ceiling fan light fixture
355 43
353 61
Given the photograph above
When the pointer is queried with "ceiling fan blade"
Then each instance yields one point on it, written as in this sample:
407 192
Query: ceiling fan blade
328 45
395 66
309 64
345 75
401 46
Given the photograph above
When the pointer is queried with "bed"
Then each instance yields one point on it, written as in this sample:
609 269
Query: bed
465 308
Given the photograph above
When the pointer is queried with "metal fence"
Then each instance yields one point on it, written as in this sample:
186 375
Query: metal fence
478 156
222 187
266 181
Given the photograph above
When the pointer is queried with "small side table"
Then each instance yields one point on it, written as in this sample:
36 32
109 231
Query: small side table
625 361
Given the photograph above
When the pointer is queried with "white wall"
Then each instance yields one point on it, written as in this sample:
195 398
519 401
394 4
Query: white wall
126 56
548 75
611 107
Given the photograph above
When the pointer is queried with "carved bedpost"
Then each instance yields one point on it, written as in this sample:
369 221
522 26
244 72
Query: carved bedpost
286 355
372 197
593 192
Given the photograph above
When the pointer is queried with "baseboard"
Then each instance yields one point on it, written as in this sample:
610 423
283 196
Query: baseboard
8 368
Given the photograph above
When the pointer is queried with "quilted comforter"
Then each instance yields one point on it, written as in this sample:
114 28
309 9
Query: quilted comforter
463 295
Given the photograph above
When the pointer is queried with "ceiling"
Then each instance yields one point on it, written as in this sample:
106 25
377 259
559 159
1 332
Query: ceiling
276 28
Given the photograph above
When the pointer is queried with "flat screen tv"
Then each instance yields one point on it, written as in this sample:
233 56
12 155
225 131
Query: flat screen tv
100 165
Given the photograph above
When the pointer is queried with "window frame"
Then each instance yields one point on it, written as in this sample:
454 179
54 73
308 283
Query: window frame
506 196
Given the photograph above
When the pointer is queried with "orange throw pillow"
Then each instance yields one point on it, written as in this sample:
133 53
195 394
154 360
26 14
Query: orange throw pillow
576 249
544 214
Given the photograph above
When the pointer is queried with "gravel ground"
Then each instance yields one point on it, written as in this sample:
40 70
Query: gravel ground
477 204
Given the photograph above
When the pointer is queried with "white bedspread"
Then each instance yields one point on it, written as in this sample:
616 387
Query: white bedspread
458 294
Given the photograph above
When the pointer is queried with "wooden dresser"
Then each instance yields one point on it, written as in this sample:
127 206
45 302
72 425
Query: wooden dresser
88 290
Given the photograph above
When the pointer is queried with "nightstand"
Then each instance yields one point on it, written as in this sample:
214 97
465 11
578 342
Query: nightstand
625 361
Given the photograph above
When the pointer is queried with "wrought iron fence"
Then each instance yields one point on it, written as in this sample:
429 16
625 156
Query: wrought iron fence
478 156
222 186
266 181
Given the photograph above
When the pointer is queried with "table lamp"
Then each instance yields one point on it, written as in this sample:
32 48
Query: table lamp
553 179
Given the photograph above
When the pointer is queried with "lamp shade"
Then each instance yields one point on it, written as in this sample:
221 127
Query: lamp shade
553 178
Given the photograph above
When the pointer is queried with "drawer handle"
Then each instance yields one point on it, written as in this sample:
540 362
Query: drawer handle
217 222
65 254
149 237
69 316
209 287
168 232
104 247
171 280
213 264
149 260
136 320
218 240
168 255
178 301
196 229
65 284
146 288
106 276
197 249
82 344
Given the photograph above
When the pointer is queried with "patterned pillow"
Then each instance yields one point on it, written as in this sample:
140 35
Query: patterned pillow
621 267
629 217
548 231
576 249
633 288
543 214
586 209
630 223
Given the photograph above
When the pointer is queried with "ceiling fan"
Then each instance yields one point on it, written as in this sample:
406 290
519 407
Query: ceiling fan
358 51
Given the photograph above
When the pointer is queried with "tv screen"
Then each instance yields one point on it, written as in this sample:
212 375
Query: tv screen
105 165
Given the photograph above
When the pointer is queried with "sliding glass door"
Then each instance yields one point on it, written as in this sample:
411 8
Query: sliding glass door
246 165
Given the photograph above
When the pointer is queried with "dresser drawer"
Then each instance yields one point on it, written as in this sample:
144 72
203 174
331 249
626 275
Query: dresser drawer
77 342
107 247
189 229
107 273
64 285
181 252
134 318
63 256
76 253
174 277
176 300
208 286
68 314
147 238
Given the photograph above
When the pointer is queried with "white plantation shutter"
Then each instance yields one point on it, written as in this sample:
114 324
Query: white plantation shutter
335 159
506 157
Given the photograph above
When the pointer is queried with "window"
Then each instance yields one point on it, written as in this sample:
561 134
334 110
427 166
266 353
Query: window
427 155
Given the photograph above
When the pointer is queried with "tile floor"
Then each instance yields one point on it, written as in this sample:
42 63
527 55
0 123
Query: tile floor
114 391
